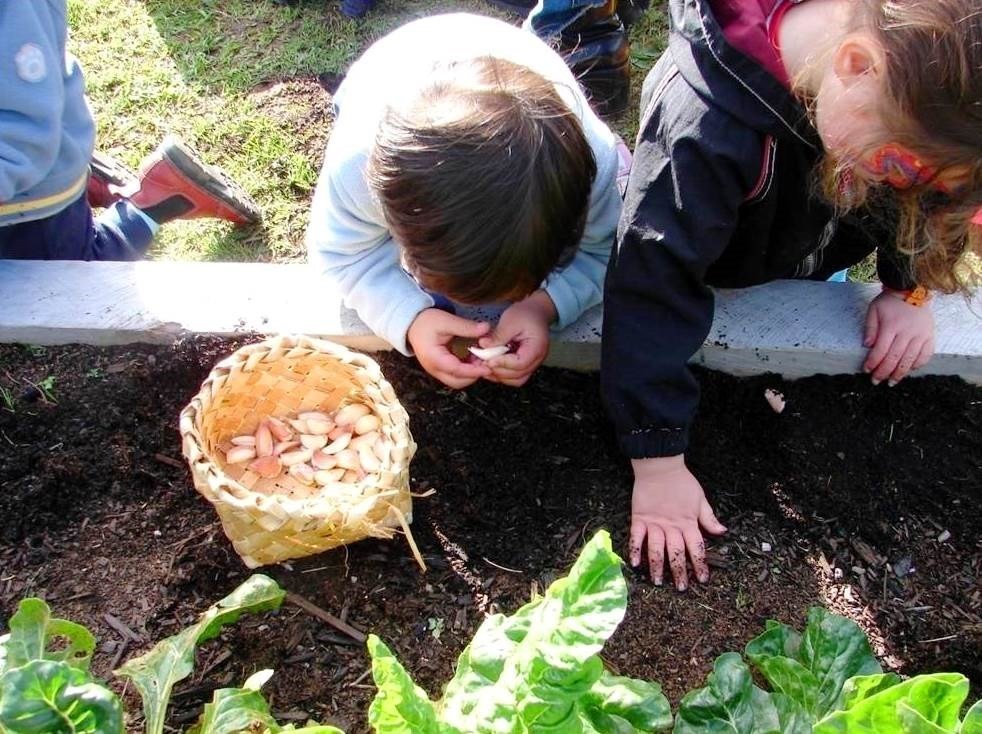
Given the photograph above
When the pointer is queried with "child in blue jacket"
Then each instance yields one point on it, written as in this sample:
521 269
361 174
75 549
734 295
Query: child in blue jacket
466 164
47 135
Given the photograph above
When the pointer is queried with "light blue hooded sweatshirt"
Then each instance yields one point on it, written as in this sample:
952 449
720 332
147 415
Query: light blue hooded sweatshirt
47 131
348 239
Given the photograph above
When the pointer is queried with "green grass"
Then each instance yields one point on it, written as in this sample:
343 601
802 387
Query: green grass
207 71
237 80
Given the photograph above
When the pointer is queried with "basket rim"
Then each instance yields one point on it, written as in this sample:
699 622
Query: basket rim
232 491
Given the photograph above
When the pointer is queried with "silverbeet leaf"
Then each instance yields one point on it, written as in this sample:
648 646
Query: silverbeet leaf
400 706
812 668
171 660
32 630
534 672
617 704
730 702
926 703
52 697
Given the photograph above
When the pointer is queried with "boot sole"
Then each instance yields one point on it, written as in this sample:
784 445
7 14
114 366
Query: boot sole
213 180
111 171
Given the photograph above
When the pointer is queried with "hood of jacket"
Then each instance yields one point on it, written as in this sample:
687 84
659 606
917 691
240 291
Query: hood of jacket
723 50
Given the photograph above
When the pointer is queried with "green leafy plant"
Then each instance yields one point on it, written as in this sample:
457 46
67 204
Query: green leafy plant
45 684
824 681
536 671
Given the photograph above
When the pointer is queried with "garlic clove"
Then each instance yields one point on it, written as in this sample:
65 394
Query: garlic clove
268 467
489 352
349 414
244 441
284 446
775 399
264 440
313 442
302 473
339 444
368 460
319 427
367 424
279 429
296 457
320 460
348 459
240 454
366 439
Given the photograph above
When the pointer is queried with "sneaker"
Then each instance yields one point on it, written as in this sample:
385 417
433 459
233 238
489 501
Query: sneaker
109 181
176 184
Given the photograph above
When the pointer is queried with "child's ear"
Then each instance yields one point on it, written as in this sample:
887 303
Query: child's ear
858 56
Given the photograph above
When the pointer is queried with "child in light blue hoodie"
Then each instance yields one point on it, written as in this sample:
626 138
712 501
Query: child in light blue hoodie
47 136
465 164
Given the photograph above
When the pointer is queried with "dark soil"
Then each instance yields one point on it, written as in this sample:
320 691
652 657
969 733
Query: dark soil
868 498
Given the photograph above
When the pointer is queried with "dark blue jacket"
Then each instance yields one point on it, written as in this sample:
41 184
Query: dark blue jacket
720 194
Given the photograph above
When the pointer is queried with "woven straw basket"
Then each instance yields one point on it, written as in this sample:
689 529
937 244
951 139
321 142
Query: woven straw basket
282 377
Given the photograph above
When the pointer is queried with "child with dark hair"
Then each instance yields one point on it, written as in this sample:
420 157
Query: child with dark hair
465 164
758 108
46 145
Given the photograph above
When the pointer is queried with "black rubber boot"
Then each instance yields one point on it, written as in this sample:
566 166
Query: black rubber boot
597 50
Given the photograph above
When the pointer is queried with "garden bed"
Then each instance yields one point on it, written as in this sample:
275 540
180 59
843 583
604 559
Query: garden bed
867 499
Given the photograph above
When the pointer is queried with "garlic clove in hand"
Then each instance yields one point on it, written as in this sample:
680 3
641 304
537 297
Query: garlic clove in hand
490 352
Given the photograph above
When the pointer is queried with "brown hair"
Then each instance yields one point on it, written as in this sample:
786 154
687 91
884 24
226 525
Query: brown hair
484 177
932 104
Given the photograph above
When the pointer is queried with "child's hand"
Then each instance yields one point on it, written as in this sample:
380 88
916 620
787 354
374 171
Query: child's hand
525 326
668 507
430 336
901 337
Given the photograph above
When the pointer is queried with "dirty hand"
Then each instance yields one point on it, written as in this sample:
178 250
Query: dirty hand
525 326
430 336
901 337
668 507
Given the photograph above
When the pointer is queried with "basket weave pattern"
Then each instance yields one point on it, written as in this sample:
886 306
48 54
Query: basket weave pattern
282 377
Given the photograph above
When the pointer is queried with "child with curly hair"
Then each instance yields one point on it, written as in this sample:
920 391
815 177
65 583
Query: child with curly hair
783 139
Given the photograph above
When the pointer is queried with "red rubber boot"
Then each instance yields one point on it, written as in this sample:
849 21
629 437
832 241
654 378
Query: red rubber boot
176 184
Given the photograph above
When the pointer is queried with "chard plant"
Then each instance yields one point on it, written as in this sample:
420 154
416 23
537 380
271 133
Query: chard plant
46 686
537 670
823 681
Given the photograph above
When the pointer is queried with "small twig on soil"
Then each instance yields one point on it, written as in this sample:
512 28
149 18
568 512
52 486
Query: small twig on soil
315 611
120 627
937 639
219 659
165 459
503 568
120 651
360 678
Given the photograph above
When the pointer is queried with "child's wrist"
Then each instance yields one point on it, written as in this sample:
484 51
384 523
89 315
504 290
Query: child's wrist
543 303
917 296
657 466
